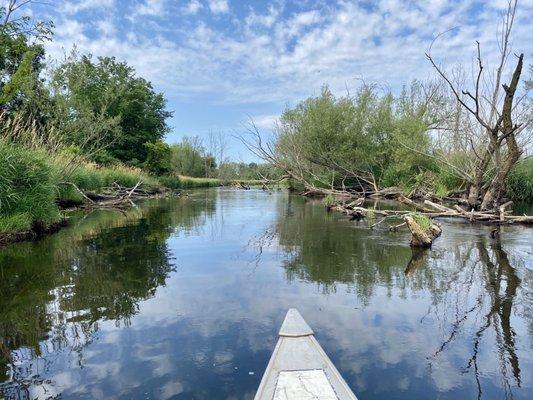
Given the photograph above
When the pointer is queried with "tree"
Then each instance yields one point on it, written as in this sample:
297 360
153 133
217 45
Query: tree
21 61
494 119
217 144
108 91
350 143
189 158
158 160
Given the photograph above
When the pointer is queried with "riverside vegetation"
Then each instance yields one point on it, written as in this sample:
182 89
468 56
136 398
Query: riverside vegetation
84 131
463 149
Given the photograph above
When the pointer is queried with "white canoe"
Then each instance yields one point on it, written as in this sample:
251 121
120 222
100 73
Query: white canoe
299 369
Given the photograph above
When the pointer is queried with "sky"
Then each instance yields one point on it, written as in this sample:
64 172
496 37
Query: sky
221 62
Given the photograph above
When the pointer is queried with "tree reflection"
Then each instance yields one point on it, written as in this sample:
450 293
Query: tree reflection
494 301
55 293
473 287
320 249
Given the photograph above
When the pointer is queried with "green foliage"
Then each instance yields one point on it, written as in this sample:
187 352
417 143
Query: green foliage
447 181
520 181
338 139
158 159
15 223
28 182
170 181
329 201
19 79
343 131
423 221
92 177
190 158
21 61
105 103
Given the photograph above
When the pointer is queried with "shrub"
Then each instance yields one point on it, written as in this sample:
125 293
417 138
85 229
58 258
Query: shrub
520 181
170 181
28 187
158 157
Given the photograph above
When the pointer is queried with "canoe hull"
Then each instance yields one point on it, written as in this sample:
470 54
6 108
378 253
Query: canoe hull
299 368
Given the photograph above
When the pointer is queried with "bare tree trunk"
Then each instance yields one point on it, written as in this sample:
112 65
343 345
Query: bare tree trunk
496 188
498 141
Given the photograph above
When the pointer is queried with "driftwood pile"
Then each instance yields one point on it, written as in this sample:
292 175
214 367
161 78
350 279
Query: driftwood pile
423 237
115 196
355 210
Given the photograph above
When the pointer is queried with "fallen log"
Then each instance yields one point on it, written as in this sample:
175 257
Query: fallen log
438 206
411 203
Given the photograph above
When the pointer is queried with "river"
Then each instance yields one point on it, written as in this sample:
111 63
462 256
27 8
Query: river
182 299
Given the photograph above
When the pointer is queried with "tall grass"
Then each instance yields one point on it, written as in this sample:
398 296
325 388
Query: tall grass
188 182
28 188
520 181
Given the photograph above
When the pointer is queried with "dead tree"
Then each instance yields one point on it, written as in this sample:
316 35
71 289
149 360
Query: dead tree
496 118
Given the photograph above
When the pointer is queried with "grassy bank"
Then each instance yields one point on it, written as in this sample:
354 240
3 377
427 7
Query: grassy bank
28 189
35 185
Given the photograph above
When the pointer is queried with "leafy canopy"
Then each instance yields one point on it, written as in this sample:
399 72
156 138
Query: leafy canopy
124 109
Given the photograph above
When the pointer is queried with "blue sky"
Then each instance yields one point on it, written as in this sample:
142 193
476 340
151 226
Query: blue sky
220 62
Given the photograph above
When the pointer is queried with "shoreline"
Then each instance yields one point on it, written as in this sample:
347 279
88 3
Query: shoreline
37 231
34 233
96 201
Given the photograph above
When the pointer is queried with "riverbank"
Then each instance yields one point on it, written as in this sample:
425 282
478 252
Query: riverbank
36 188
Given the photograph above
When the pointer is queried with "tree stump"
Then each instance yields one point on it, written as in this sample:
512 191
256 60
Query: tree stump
422 237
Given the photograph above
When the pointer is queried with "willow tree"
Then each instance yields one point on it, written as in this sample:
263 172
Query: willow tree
497 120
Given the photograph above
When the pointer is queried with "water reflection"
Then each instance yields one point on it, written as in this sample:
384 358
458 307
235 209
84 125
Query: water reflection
483 291
97 270
475 288
182 298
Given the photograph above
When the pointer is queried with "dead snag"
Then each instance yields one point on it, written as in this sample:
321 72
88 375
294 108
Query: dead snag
422 236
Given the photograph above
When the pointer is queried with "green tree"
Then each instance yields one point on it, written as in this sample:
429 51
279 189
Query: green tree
123 110
158 157
189 158
21 62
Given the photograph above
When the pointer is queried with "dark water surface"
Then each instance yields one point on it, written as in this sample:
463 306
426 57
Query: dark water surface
183 298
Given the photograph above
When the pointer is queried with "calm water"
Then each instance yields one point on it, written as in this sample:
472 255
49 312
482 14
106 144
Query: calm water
182 299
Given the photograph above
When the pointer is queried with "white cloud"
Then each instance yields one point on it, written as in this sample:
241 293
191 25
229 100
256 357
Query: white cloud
73 7
192 7
263 19
150 7
265 121
219 6
106 27
273 59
